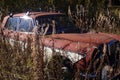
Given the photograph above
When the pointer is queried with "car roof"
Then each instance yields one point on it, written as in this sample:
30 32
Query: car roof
36 14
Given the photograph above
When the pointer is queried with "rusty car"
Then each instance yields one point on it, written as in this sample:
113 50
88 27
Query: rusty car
82 52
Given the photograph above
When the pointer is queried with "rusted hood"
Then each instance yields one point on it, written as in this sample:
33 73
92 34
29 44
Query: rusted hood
115 36
80 43
68 45
96 38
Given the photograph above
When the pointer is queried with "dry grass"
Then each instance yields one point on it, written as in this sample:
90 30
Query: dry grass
101 21
26 63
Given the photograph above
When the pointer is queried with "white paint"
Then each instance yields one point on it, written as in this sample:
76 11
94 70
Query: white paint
48 52
74 57
21 43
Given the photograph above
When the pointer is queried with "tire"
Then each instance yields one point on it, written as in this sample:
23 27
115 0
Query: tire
60 68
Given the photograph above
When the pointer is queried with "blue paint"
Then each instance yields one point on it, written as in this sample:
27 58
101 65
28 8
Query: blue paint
111 42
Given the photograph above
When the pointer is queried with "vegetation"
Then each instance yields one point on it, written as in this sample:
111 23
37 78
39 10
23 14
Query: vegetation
62 5
21 62
18 63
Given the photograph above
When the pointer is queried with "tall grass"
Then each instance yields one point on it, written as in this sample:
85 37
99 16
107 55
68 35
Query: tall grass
17 63
26 62
104 20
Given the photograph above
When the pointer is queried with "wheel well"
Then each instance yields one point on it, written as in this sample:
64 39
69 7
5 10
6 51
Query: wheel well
63 60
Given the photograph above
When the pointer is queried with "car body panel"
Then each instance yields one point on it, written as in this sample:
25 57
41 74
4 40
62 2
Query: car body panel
96 38
83 44
115 36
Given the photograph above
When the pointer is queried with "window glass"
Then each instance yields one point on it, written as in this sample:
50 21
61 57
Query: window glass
11 23
25 25
62 23
20 24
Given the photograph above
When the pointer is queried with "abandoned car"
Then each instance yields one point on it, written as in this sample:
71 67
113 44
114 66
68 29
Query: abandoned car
84 52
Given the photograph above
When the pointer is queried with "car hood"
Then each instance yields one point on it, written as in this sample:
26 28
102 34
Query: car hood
79 43
92 38
68 42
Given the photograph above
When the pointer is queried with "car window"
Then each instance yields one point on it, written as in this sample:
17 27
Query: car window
25 25
11 23
20 24
62 23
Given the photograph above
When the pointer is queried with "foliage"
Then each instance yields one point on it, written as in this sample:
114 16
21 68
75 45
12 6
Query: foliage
15 64
26 63
24 5
19 64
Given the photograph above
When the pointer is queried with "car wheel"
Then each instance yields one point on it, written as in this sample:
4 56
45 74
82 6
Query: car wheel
106 72
60 68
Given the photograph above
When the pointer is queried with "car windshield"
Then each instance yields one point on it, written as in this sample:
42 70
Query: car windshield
24 24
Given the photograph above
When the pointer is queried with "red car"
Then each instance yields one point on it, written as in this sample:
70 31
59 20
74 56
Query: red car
76 50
